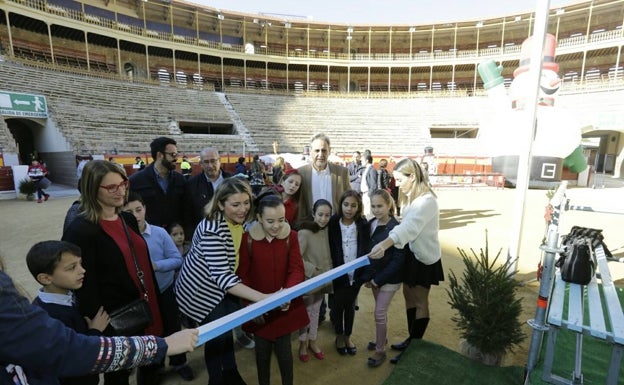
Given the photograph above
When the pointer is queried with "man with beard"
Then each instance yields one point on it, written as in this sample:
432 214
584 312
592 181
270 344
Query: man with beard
161 187
201 187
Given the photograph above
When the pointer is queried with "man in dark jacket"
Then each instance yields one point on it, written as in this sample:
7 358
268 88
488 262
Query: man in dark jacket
368 184
161 187
355 171
201 187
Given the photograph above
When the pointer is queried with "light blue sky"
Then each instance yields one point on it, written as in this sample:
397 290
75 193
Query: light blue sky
382 11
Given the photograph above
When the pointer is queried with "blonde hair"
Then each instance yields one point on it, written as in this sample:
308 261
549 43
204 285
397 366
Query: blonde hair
230 186
420 184
279 162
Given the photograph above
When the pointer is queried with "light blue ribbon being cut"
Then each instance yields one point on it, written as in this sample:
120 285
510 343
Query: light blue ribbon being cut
223 324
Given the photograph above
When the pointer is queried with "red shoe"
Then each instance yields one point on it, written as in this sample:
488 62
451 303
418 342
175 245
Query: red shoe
39 200
304 357
46 197
319 355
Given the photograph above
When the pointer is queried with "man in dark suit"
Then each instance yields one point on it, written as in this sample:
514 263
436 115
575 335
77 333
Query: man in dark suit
368 184
355 171
161 187
201 187
321 179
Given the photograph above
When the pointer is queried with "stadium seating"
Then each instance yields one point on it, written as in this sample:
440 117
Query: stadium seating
97 115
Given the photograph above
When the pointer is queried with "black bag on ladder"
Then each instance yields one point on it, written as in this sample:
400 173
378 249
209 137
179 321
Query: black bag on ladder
576 263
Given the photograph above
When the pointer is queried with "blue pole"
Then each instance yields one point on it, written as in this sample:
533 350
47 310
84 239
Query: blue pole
222 325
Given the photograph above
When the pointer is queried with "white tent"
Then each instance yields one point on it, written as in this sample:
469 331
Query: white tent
295 160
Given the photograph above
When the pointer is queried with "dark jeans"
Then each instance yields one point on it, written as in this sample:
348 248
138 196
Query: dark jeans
343 308
219 352
40 191
171 321
283 352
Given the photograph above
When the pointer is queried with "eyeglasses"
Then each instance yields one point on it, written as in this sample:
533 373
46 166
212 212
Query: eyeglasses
113 188
210 161
174 155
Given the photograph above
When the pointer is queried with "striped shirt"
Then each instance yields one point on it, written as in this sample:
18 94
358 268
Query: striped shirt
208 269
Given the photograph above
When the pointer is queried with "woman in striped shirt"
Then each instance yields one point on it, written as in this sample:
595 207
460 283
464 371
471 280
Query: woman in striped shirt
207 288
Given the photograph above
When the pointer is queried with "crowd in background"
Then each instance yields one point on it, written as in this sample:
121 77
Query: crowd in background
199 247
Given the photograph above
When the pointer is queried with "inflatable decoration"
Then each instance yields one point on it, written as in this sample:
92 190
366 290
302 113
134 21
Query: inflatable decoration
557 140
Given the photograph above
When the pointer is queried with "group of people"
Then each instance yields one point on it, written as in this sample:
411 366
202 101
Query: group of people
364 178
242 247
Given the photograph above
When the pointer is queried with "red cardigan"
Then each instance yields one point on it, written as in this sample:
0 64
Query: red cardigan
270 268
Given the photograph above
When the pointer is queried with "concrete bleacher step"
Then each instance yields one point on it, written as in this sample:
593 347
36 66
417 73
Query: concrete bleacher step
95 112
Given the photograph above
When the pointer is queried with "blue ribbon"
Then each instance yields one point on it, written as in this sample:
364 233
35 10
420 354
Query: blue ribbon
216 328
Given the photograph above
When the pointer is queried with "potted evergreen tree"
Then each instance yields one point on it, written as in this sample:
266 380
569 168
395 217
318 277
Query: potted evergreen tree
488 311
27 188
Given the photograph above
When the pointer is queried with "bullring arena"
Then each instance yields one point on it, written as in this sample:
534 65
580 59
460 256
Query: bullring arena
117 74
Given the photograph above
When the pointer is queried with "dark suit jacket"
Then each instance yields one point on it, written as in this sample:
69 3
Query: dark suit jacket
162 208
371 180
339 183
198 193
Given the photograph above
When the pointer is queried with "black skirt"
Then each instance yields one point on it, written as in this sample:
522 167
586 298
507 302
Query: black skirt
417 273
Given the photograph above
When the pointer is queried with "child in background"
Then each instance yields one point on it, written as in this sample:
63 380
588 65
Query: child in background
314 246
290 183
56 265
37 173
383 275
270 260
166 260
176 232
349 238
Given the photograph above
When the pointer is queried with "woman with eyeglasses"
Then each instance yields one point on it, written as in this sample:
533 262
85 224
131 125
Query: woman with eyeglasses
111 242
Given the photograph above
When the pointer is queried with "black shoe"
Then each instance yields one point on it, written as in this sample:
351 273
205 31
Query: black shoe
351 350
185 372
396 358
373 363
401 345
341 350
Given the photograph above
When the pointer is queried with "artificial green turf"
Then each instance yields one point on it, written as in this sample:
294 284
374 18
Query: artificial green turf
428 363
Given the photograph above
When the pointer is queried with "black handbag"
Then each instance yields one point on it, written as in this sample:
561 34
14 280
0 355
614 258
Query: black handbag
577 264
134 317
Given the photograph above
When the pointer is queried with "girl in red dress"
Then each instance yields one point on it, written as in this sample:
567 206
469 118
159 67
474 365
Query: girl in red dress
269 261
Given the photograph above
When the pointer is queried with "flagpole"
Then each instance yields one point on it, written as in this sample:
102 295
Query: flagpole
528 123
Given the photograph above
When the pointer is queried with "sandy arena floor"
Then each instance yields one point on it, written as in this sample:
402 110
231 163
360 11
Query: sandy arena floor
465 215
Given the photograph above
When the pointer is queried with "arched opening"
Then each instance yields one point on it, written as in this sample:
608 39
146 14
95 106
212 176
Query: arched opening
129 70
22 131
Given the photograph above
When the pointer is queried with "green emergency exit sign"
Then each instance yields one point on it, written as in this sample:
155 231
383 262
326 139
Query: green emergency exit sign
23 105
